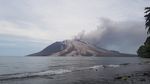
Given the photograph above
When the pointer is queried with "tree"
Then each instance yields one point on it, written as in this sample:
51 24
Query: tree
147 17
144 50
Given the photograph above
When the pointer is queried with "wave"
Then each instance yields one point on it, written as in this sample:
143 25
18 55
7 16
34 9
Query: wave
50 73
33 74
114 66
104 66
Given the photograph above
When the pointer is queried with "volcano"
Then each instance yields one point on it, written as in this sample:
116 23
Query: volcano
76 48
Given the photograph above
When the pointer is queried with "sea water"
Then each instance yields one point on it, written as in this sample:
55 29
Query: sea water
24 67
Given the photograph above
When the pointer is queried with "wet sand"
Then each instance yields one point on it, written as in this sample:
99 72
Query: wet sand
124 74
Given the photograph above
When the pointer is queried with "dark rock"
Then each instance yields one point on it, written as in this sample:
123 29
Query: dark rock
142 79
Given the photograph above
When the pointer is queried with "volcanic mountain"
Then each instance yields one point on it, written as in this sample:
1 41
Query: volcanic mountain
75 48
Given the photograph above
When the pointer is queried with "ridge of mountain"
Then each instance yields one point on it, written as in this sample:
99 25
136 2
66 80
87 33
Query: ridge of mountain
76 48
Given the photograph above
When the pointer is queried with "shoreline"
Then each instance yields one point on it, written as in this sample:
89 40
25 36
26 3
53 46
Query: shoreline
138 73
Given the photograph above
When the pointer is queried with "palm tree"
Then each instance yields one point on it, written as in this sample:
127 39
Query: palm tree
144 50
147 17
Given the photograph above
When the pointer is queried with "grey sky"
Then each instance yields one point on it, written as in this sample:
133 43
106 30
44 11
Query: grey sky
26 24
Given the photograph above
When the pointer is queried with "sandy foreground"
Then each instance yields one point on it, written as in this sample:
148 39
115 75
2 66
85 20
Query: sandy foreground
138 73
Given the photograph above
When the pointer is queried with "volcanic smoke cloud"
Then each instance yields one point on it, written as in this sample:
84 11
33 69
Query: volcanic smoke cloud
123 36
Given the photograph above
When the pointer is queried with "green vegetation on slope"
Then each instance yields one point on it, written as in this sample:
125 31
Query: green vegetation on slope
144 50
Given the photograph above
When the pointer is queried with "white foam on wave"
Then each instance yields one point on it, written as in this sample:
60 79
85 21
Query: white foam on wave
96 67
34 74
114 66
104 66
52 72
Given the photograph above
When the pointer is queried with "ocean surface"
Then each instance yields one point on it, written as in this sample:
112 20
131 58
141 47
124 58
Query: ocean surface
26 67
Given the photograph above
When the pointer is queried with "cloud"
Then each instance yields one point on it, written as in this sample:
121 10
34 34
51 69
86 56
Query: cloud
63 19
124 36
23 30
47 21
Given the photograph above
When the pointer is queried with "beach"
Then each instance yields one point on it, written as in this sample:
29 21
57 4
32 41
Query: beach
127 73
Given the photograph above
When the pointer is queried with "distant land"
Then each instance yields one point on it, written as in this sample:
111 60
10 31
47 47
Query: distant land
76 48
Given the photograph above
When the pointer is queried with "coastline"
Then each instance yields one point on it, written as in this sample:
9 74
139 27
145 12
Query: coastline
138 73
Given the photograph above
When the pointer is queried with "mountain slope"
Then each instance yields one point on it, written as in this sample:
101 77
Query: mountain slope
75 48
